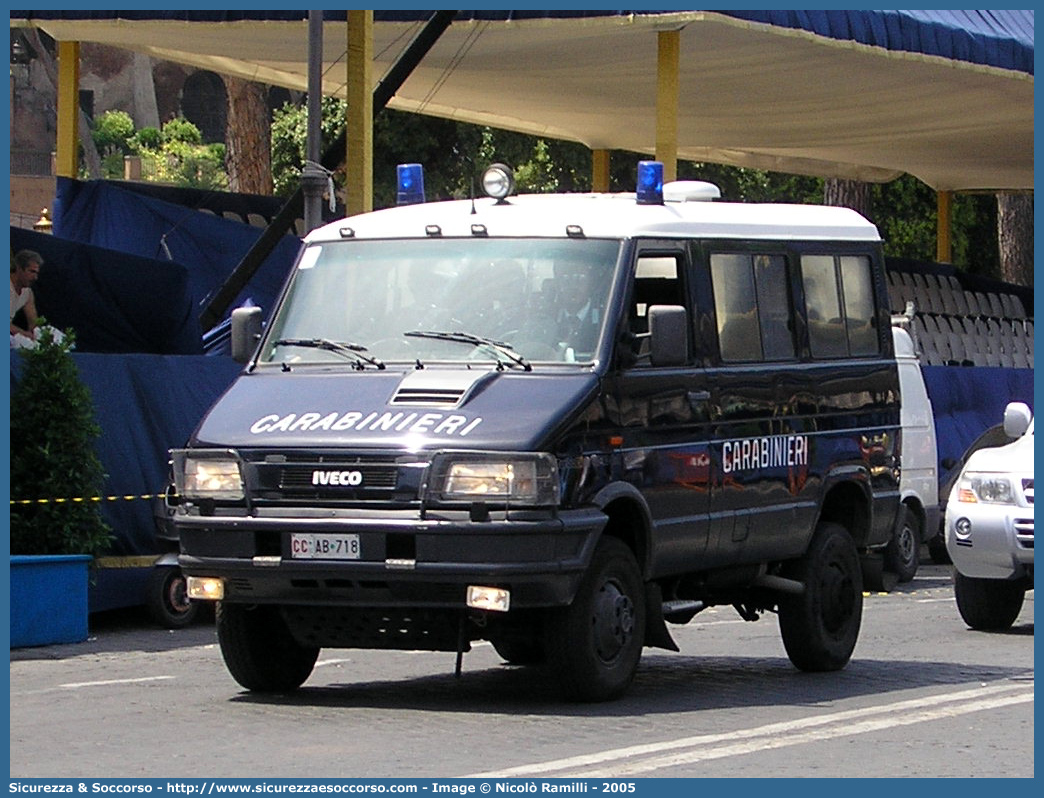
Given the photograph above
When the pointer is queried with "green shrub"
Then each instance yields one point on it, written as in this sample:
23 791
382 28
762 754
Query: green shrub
148 138
112 132
52 456
180 129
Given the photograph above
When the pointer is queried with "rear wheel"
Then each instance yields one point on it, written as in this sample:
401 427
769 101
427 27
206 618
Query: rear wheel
820 627
988 605
594 644
902 556
259 650
166 598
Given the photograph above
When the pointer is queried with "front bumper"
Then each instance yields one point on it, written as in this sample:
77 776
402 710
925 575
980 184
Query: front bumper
404 561
997 544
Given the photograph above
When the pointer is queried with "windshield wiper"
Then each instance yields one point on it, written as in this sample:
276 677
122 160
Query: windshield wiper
498 347
353 351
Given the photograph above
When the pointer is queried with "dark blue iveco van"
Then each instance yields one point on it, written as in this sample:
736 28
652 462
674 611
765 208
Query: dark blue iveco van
556 423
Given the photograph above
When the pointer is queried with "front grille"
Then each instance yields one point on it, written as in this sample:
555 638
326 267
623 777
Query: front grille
334 477
1027 489
302 478
1024 532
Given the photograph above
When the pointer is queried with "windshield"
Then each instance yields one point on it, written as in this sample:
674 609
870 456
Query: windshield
506 301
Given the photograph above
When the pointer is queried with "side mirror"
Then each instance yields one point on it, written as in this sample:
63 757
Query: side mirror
246 331
668 335
1017 417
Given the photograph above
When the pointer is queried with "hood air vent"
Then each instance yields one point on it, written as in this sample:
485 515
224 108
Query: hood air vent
436 388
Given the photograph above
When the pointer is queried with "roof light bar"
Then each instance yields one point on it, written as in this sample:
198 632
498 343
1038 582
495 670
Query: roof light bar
649 190
410 184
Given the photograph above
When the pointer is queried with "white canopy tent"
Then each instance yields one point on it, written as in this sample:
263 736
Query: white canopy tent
946 96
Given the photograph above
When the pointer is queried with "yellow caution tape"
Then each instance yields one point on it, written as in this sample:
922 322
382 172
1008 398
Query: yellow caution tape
80 500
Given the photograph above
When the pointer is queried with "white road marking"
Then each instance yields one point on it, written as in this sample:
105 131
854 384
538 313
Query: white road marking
641 759
107 682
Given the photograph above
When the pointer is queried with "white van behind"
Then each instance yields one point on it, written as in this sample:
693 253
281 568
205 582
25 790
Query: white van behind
918 517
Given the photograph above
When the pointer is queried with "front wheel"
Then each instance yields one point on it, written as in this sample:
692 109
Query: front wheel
988 605
820 627
594 644
259 650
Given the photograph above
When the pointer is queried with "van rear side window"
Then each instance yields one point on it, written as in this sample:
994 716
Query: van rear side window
839 303
752 307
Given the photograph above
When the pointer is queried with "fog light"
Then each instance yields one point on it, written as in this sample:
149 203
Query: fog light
495 599
962 528
206 588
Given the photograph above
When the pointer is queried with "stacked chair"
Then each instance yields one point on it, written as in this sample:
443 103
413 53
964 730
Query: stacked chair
956 327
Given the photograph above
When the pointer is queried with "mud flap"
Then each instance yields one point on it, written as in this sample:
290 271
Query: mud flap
656 633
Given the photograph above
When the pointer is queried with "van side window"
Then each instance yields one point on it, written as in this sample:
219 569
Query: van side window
656 282
839 303
859 305
752 307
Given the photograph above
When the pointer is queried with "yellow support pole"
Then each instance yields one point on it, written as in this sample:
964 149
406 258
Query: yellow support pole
66 160
668 55
600 170
944 240
359 150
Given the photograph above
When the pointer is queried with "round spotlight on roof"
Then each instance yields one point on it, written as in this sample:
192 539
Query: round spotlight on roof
498 181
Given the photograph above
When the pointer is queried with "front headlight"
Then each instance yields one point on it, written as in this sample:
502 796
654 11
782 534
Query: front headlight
494 478
206 476
986 488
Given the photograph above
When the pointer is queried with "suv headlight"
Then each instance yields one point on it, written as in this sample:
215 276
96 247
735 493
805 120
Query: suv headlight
515 479
977 487
207 475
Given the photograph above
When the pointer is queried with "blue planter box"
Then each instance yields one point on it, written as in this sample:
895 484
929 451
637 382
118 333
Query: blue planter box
48 599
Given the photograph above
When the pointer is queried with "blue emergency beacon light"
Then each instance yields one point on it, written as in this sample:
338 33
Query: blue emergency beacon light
410 184
650 183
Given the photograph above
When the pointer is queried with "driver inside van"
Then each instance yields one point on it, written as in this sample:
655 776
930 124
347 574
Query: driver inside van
578 317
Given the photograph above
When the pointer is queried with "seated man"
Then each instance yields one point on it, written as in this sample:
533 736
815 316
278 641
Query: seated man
25 269
578 316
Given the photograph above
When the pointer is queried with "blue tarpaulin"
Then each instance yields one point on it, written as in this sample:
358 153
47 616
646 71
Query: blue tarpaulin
105 214
113 301
968 401
145 405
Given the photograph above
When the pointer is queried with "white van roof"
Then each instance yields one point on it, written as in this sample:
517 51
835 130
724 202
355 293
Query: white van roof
602 216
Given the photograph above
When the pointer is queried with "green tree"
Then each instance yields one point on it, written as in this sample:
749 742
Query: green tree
112 131
52 456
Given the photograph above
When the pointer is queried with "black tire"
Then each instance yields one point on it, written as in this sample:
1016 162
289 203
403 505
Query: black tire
988 605
259 650
593 645
820 627
166 598
937 550
519 651
903 553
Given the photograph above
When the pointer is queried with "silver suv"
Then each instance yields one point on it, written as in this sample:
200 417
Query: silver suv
989 527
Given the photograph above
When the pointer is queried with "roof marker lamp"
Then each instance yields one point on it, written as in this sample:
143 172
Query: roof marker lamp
410 184
498 181
650 183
